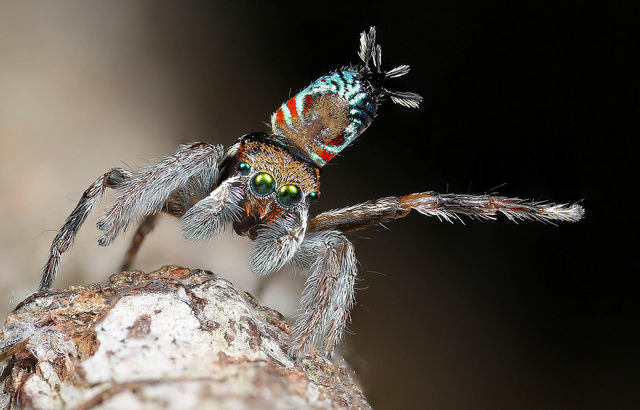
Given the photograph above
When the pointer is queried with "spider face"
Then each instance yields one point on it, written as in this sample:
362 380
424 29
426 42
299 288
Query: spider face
276 182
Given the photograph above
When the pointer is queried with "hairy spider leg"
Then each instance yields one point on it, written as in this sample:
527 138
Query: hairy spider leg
199 187
148 190
329 292
446 207
329 256
277 243
114 178
192 168
451 206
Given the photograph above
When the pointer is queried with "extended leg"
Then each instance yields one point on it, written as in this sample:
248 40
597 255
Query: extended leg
443 206
329 256
329 292
112 179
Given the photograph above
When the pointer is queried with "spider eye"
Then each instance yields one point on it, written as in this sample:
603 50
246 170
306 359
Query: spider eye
263 184
289 195
243 168
312 198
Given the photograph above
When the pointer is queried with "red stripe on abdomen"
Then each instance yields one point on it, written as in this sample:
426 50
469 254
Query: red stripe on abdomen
325 155
291 105
280 118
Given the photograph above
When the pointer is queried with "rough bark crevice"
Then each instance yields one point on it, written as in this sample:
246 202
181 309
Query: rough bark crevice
173 338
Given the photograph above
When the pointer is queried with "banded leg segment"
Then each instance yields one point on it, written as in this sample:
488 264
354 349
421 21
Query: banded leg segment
360 216
114 179
445 207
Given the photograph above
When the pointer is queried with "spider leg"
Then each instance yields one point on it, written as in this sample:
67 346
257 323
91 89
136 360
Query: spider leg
192 168
444 206
329 291
330 258
147 191
115 178
198 187
448 206
143 230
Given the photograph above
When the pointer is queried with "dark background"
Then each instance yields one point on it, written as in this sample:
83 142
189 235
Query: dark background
536 98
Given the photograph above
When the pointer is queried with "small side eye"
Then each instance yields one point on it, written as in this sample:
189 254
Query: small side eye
263 184
312 198
289 195
243 168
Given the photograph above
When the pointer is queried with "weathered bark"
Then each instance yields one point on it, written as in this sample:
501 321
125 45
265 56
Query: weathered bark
174 338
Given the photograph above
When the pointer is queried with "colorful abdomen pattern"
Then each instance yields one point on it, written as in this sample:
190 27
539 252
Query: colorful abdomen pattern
326 116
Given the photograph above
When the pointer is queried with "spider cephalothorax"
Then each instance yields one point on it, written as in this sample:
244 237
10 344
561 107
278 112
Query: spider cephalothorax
276 180
263 187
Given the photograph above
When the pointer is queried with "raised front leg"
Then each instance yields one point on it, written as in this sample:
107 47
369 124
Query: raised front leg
445 207
329 256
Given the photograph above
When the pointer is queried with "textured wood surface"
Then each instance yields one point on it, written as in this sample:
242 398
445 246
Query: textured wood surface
173 338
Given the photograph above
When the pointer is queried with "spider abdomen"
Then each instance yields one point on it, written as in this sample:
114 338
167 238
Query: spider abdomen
326 116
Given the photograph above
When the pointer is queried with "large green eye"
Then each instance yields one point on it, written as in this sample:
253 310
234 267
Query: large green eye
312 197
243 168
263 184
289 195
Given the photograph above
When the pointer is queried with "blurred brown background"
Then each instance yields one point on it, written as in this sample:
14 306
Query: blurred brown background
487 315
